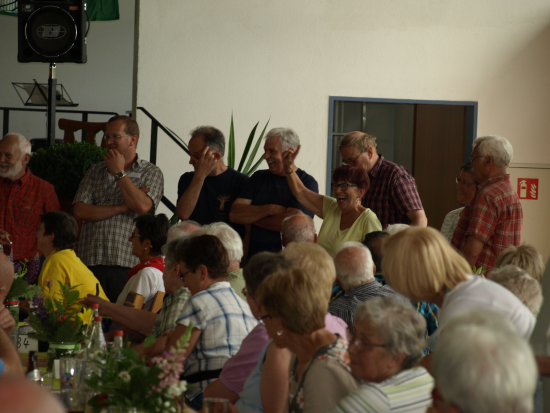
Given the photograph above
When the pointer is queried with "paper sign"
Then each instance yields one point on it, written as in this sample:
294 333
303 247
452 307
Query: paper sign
528 188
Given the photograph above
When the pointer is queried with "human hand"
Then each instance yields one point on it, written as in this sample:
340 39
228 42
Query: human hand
275 209
115 161
206 163
4 237
7 322
144 189
94 299
288 159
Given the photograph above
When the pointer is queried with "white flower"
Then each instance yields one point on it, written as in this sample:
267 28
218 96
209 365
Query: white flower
124 376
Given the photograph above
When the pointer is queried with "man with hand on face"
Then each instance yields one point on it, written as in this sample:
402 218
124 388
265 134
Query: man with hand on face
266 199
109 197
207 194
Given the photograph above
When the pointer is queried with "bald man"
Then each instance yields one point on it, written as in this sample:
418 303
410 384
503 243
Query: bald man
23 197
298 228
24 396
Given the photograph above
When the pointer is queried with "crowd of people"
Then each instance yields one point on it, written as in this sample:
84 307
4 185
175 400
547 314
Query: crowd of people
374 313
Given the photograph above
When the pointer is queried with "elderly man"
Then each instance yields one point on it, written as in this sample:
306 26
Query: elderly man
298 228
23 197
355 273
267 200
492 222
207 194
109 197
499 376
392 195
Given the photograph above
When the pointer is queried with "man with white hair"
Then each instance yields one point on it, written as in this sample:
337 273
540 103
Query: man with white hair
23 197
355 273
492 222
481 365
267 200
298 228
524 287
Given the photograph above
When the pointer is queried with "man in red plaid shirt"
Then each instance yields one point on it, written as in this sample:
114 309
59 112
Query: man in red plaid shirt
392 194
23 197
492 222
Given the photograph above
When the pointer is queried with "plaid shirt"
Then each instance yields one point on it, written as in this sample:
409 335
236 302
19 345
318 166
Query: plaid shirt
225 320
494 217
171 310
106 242
392 193
22 202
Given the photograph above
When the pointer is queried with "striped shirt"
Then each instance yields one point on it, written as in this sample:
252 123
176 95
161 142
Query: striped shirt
170 311
225 320
407 392
345 305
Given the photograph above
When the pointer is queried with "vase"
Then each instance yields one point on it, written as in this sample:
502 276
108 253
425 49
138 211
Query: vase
12 304
58 350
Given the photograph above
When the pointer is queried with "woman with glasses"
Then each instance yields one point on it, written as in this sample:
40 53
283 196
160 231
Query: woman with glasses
344 218
385 352
466 189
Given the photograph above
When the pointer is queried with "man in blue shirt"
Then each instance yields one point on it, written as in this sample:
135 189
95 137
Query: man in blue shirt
266 199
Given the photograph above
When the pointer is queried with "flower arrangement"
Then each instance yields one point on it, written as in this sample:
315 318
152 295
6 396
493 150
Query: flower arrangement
59 320
121 381
25 273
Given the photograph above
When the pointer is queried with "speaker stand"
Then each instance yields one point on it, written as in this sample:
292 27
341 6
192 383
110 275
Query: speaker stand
52 87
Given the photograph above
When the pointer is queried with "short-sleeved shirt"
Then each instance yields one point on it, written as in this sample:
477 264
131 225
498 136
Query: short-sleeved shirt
330 234
216 197
392 193
171 310
225 320
494 217
449 223
106 242
409 391
147 282
265 188
21 204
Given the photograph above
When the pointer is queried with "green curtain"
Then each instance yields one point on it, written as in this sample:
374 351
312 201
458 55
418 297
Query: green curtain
103 10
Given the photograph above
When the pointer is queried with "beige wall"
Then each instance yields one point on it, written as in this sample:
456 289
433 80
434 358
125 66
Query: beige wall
198 61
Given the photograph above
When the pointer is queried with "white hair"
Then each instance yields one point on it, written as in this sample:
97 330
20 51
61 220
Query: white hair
519 282
393 229
181 229
496 146
169 250
230 239
484 365
354 265
287 138
24 144
298 228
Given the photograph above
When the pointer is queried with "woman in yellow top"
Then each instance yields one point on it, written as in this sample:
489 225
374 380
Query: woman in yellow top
344 218
56 238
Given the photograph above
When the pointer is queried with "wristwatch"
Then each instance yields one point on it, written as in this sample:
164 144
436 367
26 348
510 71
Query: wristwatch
120 175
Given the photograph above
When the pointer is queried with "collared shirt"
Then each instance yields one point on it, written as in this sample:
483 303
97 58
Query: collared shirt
171 310
225 320
106 242
21 204
345 305
392 193
236 279
494 217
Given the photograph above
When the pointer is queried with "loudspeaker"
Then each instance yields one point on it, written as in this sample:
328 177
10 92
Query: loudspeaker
51 31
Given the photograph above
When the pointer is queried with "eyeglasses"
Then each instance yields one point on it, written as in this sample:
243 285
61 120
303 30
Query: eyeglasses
473 158
182 274
461 182
261 319
346 163
343 187
361 345
106 138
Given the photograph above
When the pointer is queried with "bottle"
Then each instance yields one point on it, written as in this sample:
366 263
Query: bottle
93 314
97 339
33 373
117 348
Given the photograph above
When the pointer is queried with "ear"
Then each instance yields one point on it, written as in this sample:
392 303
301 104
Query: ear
203 272
25 159
370 152
176 270
315 240
374 269
133 140
50 237
362 193
396 360
279 324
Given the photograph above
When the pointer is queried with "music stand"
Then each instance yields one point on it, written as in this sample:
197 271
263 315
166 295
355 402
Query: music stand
38 94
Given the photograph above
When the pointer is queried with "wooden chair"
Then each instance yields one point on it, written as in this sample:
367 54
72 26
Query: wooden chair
70 126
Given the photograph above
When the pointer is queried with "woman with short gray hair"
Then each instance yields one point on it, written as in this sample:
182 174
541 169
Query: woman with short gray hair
385 352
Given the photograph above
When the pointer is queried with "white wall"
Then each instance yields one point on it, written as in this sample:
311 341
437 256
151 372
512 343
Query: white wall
198 61
104 83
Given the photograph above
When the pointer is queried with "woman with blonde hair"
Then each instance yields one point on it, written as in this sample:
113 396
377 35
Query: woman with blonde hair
525 257
421 265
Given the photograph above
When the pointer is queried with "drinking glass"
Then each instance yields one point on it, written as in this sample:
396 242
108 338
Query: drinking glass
214 405
47 381
74 400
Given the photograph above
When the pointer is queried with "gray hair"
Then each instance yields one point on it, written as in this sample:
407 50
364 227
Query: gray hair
496 146
213 138
230 239
170 249
298 228
24 144
401 327
354 265
519 282
393 229
500 375
287 138
524 256
181 229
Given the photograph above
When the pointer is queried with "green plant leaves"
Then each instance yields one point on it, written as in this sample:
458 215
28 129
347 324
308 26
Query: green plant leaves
247 157
231 146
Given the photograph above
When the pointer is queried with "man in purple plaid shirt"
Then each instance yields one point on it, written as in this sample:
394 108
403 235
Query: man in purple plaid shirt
392 195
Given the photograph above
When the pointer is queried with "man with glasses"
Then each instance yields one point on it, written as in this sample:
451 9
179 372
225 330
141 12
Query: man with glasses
392 195
207 194
109 197
492 221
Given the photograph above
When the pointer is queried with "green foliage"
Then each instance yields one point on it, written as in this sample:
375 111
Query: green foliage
478 271
247 156
65 164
